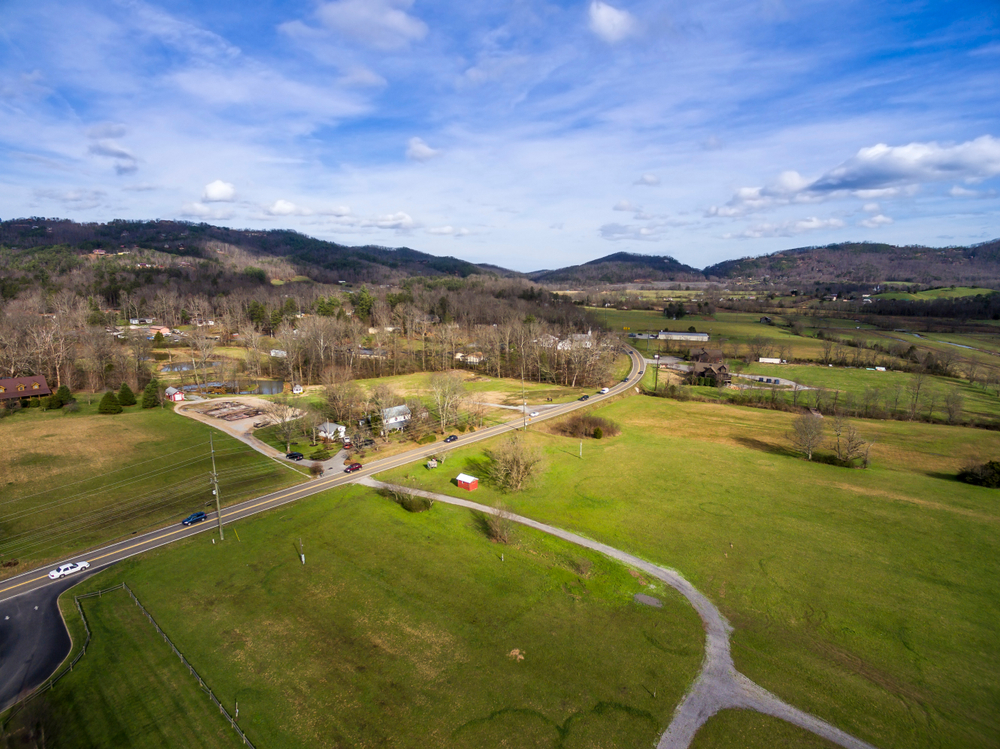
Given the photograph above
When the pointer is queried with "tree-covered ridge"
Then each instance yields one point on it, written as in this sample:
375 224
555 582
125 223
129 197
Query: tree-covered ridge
621 267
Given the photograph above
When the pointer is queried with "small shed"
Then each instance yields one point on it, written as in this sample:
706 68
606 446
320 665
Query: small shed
173 394
465 481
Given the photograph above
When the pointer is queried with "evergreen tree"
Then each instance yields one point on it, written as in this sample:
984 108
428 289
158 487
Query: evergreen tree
109 404
125 395
64 396
151 395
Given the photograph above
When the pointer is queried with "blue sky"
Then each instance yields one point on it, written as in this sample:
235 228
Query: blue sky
526 134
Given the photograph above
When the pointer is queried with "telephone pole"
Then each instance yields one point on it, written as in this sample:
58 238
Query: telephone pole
215 490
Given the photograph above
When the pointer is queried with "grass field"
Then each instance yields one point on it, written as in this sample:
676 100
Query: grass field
866 597
129 690
946 292
977 403
405 630
76 480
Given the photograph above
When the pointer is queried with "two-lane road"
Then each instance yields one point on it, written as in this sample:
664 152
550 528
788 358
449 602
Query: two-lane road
33 640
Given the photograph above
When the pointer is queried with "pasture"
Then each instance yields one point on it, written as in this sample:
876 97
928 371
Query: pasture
71 481
406 629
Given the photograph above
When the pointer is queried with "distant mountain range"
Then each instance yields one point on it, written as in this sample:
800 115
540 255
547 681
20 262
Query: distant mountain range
330 262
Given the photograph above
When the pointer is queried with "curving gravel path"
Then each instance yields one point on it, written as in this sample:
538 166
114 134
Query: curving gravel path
719 686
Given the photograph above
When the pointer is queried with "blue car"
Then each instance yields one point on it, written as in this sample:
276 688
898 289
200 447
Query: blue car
193 518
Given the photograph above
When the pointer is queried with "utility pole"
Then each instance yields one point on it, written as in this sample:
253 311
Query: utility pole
215 490
656 371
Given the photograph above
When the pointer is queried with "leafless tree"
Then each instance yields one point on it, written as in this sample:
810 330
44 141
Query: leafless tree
914 388
953 405
807 434
447 391
512 463
283 414
848 443
500 523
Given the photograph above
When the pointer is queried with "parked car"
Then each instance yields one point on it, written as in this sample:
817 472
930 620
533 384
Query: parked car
584 398
352 468
605 391
195 517
294 456
68 569
451 438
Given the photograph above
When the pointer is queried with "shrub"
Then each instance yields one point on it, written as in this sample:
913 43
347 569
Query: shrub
987 474
586 425
151 395
322 454
125 395
316 469
109 404
37 403
64 396
72 407
460 428
426 439
413 503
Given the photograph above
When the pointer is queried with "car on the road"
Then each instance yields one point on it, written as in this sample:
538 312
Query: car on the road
584 398
352 468
605 391
451 438
194 517
642 371
294 456
533 414
68 569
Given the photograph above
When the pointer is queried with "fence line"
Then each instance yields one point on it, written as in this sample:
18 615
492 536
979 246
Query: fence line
51 681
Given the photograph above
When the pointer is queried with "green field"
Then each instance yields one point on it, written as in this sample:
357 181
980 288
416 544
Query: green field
401 629
79 480
866 597
946 292
129 690
892 389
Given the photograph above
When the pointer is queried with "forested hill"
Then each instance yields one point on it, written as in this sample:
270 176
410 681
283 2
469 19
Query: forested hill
978 265
622 267
321 260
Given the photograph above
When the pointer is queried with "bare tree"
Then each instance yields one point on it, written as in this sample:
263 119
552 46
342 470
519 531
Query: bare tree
447 390
500 523
848 444
283 414
807 434
512 463
914 388
953 405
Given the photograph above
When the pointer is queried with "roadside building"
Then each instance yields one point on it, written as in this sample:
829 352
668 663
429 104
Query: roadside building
465 481
173 394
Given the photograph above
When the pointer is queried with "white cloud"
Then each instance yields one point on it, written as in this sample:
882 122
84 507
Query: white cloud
417 150
883 166
616 232
871 208
107 130
399 221
787 228
78 200
876 221
610 23
448 231
382 24
202 211
219 191
286 208
624 205
647 180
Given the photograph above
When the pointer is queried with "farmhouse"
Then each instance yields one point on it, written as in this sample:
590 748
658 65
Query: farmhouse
395 417
718 373
331 431
707 355
23 387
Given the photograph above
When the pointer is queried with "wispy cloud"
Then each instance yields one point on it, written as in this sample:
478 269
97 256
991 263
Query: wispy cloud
417 150
609 23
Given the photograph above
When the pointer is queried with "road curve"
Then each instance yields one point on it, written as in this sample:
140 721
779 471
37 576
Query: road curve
719 685
40 651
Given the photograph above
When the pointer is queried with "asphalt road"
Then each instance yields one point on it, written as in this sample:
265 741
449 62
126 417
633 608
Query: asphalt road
33 637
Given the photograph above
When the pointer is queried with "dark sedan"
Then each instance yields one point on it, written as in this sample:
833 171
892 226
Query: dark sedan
193 518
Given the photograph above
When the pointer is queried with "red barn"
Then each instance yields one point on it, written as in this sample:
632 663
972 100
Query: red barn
465 481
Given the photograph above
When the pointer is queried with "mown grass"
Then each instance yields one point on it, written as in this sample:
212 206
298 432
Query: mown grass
977 403
751 730
400 630
76 480
866 597
129 690
945 292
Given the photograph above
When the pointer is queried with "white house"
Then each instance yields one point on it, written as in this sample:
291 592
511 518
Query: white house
395 417
173 394
330 431
666 335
